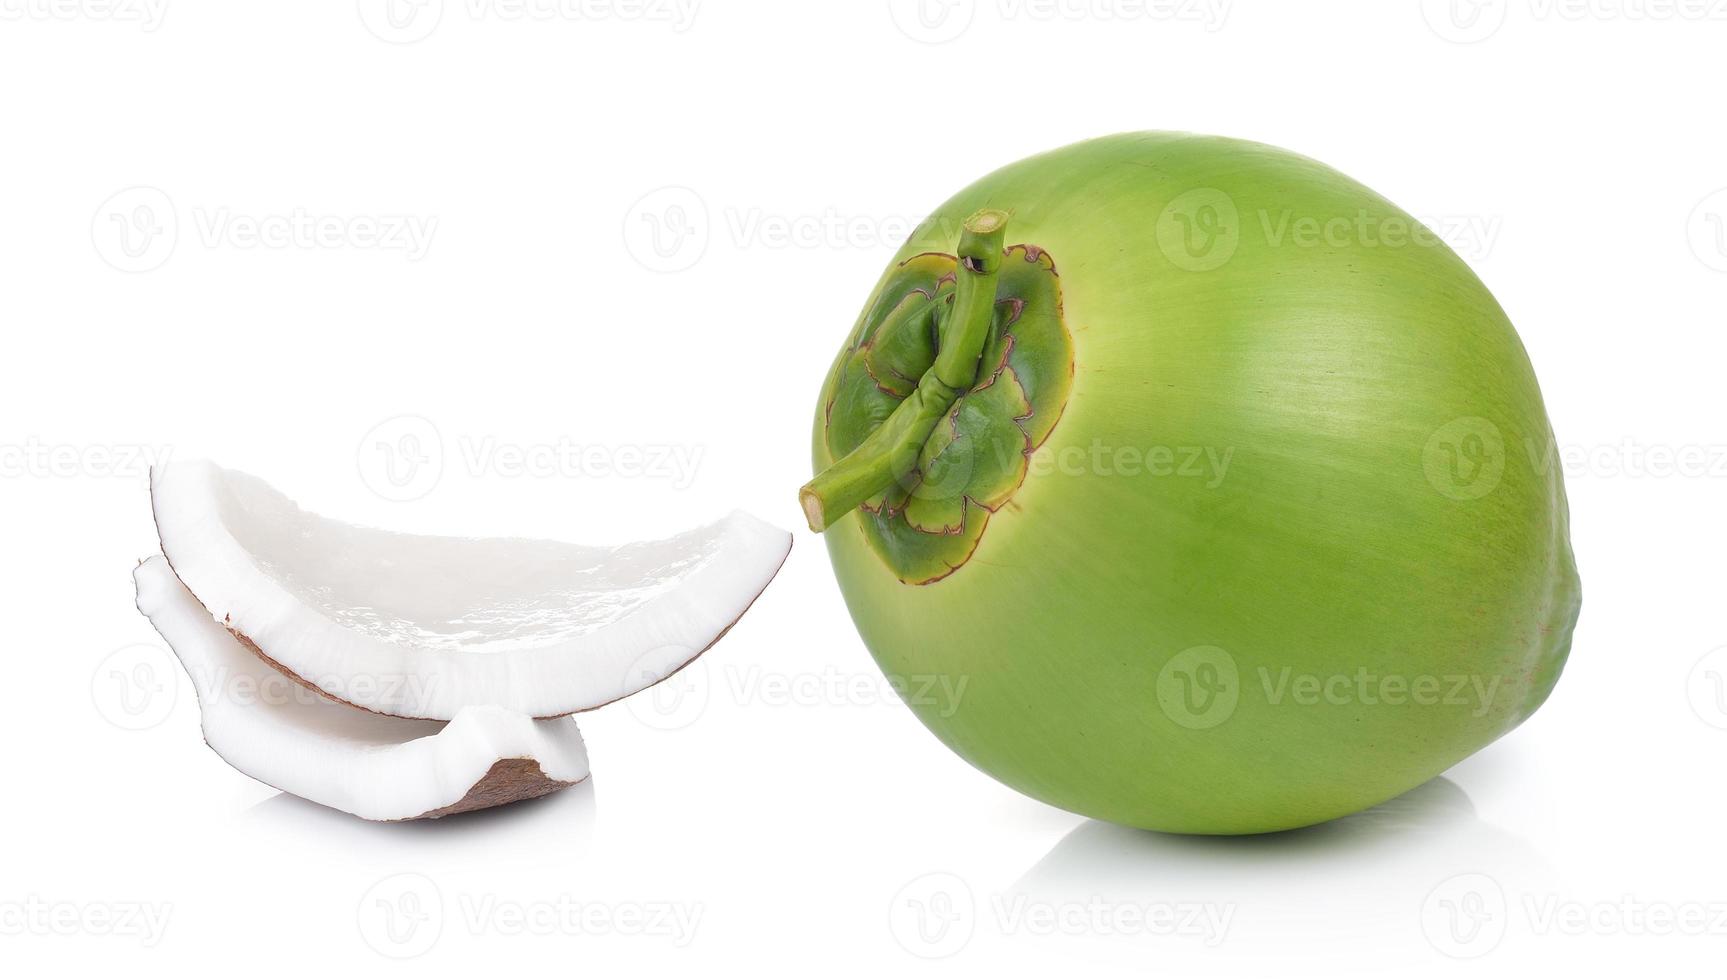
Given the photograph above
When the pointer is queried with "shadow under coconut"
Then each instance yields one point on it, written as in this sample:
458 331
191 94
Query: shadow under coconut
560 823
1365 875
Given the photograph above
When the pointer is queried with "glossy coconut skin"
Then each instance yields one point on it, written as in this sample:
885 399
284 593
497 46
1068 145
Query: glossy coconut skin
1390 507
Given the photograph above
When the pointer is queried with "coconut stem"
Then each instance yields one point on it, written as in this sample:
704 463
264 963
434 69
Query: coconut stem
891 451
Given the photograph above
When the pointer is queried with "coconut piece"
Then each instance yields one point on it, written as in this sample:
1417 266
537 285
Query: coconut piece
422 627
370 765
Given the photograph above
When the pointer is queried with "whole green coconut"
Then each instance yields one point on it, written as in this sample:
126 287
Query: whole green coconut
1215 493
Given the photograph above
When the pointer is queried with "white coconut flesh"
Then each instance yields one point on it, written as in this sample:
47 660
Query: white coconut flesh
422 627
374 766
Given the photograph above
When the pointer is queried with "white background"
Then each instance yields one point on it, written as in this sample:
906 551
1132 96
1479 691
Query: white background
481 285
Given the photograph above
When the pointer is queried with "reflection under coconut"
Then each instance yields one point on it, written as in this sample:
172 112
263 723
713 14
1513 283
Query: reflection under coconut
1360 877
559 825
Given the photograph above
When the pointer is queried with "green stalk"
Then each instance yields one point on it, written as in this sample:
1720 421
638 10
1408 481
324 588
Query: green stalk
891 451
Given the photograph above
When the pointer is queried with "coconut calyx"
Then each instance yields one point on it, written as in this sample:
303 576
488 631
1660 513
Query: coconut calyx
955 375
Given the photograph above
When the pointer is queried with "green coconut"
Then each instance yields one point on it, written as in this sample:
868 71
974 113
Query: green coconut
1216 490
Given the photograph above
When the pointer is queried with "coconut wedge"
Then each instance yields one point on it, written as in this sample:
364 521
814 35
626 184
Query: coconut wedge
423 627
370 765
